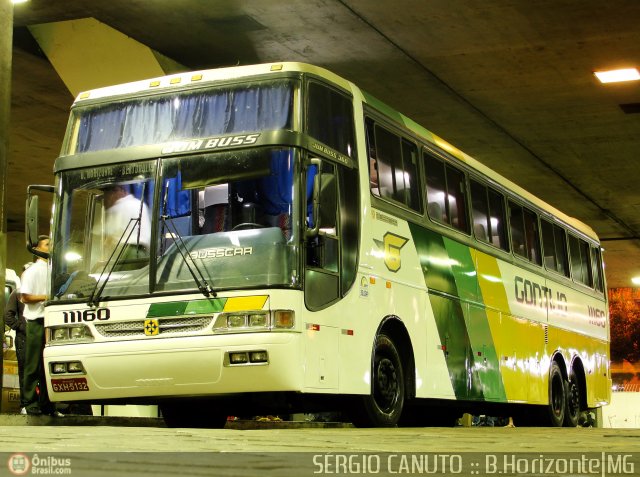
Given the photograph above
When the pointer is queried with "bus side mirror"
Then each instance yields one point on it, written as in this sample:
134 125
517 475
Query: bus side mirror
31 219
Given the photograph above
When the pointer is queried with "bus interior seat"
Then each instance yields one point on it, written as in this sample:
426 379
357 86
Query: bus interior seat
480 232
214 203
435 211
550 262
283 221
215 218
248 212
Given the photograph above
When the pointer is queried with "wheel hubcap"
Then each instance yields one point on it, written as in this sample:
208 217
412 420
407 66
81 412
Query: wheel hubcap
386 384
574 399
557 396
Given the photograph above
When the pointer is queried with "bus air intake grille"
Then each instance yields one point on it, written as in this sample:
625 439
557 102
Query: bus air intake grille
165 326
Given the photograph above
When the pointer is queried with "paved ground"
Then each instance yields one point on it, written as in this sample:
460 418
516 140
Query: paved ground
128 446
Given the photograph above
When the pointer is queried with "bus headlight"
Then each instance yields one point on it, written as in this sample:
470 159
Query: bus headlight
69 334
236 321
64 367
254 321
259 320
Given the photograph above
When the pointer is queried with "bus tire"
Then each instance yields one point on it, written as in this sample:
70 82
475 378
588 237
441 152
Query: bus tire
185 414
383 407
572 409
557 396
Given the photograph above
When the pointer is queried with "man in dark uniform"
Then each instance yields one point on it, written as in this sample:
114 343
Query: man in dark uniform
15 320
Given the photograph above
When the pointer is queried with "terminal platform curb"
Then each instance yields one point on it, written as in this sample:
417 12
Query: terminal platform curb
115 421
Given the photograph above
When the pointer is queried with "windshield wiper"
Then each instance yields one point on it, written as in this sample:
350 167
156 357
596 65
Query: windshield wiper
120 248
199 279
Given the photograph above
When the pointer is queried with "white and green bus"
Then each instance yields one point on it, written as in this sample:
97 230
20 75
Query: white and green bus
292 244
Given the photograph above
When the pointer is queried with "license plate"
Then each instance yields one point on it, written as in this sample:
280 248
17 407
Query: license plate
67 385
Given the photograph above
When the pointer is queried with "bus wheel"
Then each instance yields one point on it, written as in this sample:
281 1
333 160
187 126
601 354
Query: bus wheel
557 396
383 407
185 414
572 410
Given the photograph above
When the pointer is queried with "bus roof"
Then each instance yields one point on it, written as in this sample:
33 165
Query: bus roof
165 83
180 80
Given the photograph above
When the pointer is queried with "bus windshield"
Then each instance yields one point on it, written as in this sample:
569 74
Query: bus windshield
222 219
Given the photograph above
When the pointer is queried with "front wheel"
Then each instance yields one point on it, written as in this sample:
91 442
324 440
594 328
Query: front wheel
383 407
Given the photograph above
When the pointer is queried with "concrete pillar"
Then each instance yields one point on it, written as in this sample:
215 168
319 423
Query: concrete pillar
6 41
88 54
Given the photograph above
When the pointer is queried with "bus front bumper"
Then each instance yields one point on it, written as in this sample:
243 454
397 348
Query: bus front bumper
190 366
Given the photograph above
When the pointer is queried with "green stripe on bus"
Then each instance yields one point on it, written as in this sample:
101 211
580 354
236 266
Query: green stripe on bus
486 369
179 308
448 310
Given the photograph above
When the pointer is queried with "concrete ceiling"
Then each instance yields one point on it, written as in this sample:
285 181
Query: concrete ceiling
508 81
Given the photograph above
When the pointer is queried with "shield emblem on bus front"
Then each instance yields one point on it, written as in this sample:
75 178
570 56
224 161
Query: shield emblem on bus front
151 327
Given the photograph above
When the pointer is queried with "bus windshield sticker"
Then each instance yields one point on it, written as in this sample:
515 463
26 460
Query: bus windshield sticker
385 218
364 287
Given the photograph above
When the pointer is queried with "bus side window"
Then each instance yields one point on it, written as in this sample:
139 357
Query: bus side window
554 243
516 223
330 118
436 189
525 236
322 250
596 257
533 236
497 220
579 252
393 166
374 180
446 193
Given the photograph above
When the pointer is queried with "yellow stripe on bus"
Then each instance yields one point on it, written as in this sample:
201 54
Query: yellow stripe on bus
514 353
245 303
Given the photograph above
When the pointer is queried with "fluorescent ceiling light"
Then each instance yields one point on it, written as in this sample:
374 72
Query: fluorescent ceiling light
615 76
19 1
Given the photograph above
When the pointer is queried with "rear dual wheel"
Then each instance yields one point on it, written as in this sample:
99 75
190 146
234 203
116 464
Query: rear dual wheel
572 410
564 398
557 396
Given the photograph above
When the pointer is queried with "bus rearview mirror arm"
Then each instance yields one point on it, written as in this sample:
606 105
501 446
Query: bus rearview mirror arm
315 198
31 218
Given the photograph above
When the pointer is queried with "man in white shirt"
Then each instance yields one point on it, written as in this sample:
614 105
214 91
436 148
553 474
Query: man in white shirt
33 293
120 208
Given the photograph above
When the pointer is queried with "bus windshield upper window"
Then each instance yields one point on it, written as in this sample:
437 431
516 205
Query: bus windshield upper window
330 118
184 115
